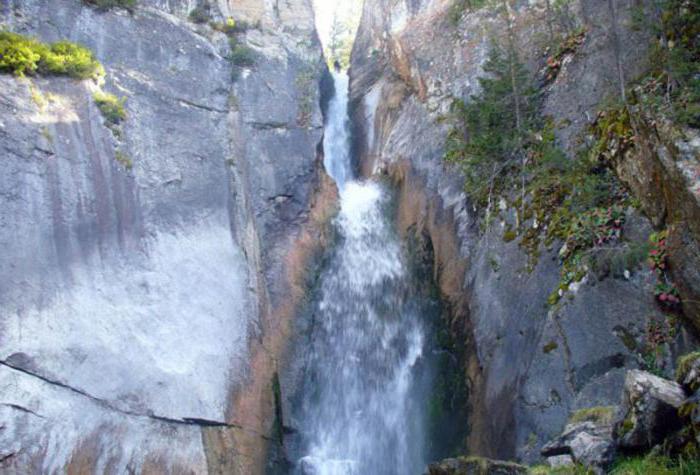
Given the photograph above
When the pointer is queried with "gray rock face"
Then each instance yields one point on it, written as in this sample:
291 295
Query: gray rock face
530 364
135 292
650 407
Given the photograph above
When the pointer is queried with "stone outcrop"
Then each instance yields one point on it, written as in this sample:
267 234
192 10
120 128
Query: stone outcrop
656 416
650 406
149 271
589 443
528 364
662 172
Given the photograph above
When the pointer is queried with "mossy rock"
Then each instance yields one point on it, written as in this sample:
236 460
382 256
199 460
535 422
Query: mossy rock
598 414
686 365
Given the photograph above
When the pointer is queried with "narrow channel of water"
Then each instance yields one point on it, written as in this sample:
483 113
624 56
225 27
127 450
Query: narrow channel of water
368 366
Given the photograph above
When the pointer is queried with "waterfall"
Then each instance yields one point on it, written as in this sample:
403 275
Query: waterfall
362 408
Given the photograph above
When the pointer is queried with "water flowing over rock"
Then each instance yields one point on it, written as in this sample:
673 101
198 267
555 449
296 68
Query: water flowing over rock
366 372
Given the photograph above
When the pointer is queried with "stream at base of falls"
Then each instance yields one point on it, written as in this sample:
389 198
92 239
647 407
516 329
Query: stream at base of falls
369 363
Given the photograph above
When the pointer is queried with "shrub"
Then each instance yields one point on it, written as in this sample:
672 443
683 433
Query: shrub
459 7
21 55
230 27
107 4
124 159
111 107
549 347
241 55
200 14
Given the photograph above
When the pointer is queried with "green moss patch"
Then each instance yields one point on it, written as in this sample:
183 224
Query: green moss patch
684 364
598 414
549 347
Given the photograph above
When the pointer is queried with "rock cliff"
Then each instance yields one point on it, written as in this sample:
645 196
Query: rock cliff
529 362
148 269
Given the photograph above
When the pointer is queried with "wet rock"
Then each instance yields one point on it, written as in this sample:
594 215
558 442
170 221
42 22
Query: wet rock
475 466
650 409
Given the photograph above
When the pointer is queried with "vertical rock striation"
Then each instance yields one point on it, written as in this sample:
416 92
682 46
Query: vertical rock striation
147 271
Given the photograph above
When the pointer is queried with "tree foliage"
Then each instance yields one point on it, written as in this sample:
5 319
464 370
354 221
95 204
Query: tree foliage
486 139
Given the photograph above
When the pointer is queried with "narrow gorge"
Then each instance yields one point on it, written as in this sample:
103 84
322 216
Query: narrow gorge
387 237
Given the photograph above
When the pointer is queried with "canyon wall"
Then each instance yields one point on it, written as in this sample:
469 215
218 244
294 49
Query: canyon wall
148 269
529 362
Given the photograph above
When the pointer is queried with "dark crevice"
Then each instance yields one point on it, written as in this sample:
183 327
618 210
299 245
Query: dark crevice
187 421
21 409
202 107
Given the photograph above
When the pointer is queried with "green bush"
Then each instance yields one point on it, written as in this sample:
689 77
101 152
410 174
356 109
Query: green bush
123 159
111 107
22 55
459 7
230 27
200 14
107 4
241 55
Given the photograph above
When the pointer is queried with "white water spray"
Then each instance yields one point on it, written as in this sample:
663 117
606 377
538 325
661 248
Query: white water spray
360 414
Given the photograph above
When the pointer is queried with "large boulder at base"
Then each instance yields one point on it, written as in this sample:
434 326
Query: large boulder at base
588 443
650 408
475 466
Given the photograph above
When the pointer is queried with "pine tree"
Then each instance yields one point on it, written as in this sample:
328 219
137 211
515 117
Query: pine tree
336 38
487 142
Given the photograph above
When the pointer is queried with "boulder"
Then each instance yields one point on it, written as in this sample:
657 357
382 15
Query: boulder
475 466
650 408
559 461
588 443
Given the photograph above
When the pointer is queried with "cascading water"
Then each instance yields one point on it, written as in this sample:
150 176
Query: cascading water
367 374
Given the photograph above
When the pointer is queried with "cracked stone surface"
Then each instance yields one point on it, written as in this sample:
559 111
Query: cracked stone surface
131 297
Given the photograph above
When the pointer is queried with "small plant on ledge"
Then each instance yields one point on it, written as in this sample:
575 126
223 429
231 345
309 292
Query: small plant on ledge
241 55
200 14
111 107
129 5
